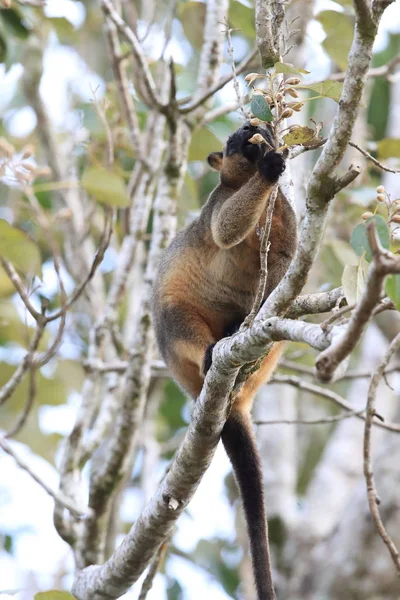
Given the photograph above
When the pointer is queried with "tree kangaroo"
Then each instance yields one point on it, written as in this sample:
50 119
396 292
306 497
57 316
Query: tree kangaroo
206 285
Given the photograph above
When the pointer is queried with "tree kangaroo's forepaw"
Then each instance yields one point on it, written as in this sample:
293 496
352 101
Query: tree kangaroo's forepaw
272 166
208 358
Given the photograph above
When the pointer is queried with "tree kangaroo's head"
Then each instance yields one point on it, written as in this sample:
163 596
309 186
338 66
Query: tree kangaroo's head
239 158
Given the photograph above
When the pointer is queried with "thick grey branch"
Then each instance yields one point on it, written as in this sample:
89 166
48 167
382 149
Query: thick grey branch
315 303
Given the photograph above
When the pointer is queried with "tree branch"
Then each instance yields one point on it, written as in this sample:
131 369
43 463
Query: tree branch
373 498
121 79
333 397
211 52
372 159
267 12
63 500
217 86
382 264
383 71
315 303
323 184
151 95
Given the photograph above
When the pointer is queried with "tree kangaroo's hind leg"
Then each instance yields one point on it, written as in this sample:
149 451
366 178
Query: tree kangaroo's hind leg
189 352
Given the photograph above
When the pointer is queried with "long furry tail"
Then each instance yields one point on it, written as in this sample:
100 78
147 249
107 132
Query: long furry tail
240 445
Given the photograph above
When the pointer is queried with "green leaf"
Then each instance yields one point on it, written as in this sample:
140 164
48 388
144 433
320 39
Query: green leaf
299 135
105 186
389 147
192 16
359 237
242 17
392 289
337 26
18 248
260 108
54 595
353 281
328 88
281 67
202 143
13 23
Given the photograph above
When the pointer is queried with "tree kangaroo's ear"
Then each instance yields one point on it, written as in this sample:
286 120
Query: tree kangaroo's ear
215 160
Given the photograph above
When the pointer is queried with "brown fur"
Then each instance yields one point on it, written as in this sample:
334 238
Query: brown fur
206 285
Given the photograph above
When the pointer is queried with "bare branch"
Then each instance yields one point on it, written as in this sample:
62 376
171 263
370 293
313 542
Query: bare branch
373 498
315 303
383 71
333 397
382 264
98 259
372 159
125 97
154 567
211 52
19 286
152 98
8 388
220 111
264 248
310 371
28 406
77 511
323 421
157 519
216 87
236 85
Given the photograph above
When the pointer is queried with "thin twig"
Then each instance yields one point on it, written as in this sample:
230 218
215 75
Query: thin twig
19 286
103 245
152 97
264 248
8 389
28 406
101 110
122 81
219 85
332 396
373 498
305 370
45 224
80 513
372 159
152 572
323 421
220 111
383 71
234 74
336 315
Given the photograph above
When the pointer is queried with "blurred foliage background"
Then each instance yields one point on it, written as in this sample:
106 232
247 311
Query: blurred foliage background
75 73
